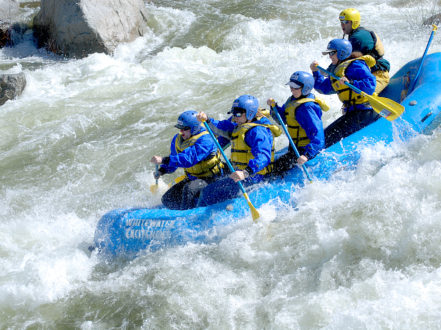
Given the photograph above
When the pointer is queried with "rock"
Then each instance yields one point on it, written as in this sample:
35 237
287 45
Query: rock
81 27
435 19
11 86
4 34
8 12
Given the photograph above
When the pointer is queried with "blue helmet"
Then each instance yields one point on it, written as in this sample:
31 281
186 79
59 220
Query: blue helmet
342 46
247 102
188 120
302 79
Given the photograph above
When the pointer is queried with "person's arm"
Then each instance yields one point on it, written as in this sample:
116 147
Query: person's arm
280 110
192 155
224 140
308 118
164 161
360 76
322 84
223 128
260 140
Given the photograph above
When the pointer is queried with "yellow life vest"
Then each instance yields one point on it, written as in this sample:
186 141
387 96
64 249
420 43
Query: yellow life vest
297 132
241 152
206 168
263 112
346 94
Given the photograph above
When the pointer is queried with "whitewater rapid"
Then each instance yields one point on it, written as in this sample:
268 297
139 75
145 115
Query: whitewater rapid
359 251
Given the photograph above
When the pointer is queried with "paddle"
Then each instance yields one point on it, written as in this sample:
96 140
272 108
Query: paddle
387 108
255 214
434 28
291 142
154 187
177 180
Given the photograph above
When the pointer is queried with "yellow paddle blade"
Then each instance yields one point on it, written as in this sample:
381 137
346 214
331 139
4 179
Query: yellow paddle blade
180 178
387 108
254 213
154 188
177 180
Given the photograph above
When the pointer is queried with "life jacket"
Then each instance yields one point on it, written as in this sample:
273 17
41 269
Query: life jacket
263 112
206 168
378 51
346 94
297 132
241 152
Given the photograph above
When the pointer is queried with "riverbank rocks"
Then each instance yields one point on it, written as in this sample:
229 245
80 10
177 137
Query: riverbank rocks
81 27
11 86
8 12
435 19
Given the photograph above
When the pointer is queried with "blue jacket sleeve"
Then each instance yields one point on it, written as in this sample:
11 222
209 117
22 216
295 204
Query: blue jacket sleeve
360 76
260 140
309 117
192 155
222 129
281 111
224 125
322 84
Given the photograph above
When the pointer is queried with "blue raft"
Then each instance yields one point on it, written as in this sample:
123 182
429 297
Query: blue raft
126 232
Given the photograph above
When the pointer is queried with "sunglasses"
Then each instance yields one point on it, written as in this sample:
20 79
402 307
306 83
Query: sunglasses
185 129
344 21
332 53
238 112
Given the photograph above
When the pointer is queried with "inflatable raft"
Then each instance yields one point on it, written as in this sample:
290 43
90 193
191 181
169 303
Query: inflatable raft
127 232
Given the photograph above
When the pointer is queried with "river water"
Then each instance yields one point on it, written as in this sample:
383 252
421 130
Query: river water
361 251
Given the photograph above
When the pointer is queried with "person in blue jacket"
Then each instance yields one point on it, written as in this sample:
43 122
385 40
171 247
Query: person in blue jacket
357 112
302 113
194 150
252 149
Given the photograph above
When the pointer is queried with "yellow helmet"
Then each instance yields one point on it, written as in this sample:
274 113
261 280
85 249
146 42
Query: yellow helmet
351 14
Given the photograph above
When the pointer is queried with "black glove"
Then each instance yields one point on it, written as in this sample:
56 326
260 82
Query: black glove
157 174
248 170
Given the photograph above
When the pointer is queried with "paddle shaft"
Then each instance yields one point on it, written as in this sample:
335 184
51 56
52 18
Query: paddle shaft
223 154
359 91
154 187
291 142
156 172
422 59
254 213
385 107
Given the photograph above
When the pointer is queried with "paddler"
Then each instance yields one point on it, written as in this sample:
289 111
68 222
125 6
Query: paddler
194 150
302 112
365 42
357 112
252 149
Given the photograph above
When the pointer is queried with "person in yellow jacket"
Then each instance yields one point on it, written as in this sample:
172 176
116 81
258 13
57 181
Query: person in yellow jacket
357 112
194 150
252 149
365 42
302 113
